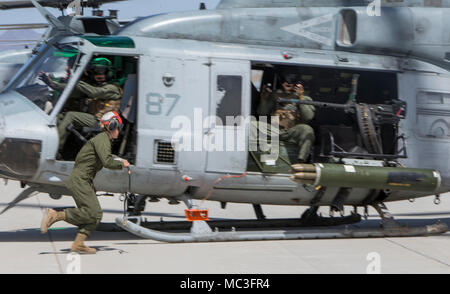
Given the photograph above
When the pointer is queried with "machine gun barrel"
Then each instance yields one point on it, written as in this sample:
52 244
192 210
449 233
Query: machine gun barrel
383 113
347 106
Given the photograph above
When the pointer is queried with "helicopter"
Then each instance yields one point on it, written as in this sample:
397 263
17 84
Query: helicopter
76 22
380 85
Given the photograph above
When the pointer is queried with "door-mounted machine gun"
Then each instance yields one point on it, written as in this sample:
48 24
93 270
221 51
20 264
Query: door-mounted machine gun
370 118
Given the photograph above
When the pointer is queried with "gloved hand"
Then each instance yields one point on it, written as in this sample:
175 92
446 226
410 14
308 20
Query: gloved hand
45 78
265 92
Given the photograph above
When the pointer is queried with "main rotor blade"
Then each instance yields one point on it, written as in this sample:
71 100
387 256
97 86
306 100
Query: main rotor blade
23 26
61 4
15 4
18 41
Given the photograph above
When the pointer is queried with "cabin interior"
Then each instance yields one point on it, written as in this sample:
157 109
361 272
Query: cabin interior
332 85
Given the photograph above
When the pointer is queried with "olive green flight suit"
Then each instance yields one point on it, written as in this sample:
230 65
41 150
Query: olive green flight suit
105 98
94 155
295 129
76 98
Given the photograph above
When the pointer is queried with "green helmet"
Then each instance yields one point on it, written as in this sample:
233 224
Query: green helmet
100 62
100 65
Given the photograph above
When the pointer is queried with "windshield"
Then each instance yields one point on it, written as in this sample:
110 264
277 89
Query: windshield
45 81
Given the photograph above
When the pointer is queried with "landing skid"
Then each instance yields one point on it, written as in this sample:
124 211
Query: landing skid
201 232
315 221
317 227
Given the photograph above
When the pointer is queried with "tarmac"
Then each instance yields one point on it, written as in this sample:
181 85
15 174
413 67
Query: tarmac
26 251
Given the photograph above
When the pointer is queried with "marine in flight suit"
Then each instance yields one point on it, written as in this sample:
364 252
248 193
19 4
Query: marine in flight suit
293 118
95 155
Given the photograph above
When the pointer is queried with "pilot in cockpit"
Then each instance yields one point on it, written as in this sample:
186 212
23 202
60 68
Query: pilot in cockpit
97 90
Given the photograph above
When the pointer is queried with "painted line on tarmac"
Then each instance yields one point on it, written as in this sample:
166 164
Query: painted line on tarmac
50 238
418 252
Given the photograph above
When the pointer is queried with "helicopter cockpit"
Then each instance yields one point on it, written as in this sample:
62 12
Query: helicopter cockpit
57 60
123 75
52 76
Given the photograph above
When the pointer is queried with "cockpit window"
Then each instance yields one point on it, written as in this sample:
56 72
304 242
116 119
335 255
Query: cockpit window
45 81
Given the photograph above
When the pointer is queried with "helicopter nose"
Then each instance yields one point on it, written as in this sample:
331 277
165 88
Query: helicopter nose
20 140
19 158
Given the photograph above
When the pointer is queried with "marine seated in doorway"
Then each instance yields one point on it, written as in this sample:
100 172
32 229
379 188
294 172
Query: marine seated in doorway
293 117
98 93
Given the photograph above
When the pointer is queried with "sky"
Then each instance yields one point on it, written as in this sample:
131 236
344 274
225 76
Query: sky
127 10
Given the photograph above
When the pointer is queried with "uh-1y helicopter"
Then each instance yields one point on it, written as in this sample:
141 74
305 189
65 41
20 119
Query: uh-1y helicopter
388 142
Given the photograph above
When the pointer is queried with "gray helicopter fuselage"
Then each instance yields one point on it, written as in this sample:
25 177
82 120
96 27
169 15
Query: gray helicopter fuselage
192 50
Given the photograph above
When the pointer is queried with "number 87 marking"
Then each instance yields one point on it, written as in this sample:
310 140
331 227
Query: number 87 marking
155 103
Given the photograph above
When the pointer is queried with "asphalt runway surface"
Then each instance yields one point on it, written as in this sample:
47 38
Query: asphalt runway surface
26 251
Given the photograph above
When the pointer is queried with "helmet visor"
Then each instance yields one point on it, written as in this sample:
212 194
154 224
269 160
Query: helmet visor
99 70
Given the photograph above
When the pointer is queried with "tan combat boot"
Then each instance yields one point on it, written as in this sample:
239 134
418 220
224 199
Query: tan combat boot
51 217
79 247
